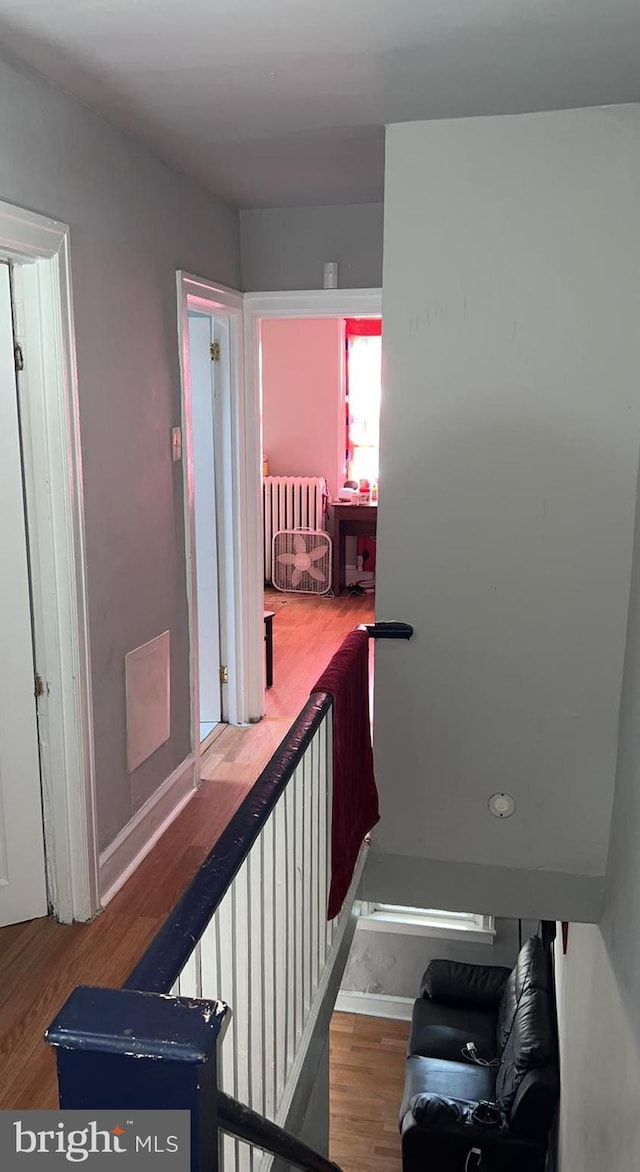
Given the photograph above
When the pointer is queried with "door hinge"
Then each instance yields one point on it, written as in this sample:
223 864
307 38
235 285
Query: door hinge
39 686
214 351
224 675
18 356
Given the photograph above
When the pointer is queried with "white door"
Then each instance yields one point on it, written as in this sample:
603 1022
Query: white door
23 892
202 376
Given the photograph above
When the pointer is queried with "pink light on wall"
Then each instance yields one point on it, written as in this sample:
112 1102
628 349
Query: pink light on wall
302 408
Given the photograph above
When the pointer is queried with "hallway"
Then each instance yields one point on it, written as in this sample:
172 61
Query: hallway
41 961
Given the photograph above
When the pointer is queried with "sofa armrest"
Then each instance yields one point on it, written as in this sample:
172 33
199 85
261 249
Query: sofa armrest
455 983
535 1104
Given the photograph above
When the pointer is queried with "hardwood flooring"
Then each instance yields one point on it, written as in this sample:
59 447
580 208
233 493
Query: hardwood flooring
315 624
367 1060
41 961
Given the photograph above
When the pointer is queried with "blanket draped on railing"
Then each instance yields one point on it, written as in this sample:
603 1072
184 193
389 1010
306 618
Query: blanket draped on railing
355 797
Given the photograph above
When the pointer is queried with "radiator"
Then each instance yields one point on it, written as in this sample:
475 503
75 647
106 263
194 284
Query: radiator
290 502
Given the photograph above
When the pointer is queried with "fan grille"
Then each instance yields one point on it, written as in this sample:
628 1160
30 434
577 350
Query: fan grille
302 561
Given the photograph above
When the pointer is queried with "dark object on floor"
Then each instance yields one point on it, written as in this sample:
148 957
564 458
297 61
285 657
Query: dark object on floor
502 1105
355 797
356 589
268 646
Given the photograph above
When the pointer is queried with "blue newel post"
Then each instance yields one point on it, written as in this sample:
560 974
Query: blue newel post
118 1048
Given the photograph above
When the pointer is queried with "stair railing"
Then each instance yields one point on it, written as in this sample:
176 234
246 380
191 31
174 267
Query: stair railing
253 921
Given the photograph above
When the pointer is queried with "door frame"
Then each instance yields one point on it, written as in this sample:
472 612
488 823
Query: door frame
236 456
290 303
56 530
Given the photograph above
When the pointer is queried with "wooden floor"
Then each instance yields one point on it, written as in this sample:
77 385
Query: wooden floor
367 1060
295 674
42 961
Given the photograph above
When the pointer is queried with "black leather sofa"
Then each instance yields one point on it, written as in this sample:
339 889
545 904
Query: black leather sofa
510 1017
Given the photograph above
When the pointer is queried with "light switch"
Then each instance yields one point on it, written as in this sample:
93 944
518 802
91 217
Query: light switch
176 443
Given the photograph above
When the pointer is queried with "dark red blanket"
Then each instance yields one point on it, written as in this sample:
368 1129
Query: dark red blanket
355 797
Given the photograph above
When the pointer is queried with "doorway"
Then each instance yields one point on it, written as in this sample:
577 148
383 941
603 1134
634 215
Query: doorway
317 358
209 374
219 449
43 530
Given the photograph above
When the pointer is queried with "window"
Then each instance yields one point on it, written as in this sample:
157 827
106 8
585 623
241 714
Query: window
363 388
395 917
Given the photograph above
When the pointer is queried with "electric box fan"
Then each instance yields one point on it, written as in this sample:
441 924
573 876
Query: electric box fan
302 561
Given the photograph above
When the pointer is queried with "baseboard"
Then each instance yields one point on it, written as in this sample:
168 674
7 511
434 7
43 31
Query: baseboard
375 1005
140 835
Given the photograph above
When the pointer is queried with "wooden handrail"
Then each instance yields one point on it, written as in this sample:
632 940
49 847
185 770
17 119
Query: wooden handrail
246 1124
172 945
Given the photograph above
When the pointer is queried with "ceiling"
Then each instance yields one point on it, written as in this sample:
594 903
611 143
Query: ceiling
283 102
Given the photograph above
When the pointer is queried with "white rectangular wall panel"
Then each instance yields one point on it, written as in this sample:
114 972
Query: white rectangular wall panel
148 691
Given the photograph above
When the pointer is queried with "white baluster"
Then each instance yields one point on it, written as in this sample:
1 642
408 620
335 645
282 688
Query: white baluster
306 882
280 940
299 904
289 805
313 858
268 969
241 966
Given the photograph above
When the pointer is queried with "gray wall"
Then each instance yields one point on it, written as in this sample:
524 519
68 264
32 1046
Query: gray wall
392 963
133 223
286 248
598 981
507 497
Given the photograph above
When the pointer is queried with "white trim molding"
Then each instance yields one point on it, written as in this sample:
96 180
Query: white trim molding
315 303
257 307
374 1005
134 842
239 541
54 500
25 235
465 927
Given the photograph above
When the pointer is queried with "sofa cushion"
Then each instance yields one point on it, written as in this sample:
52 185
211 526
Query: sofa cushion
440 1031
532 970
529 1045
453 1080
456 983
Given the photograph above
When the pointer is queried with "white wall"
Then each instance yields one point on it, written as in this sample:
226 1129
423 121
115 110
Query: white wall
392 963
599 979
599 1057
133 222
508 483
